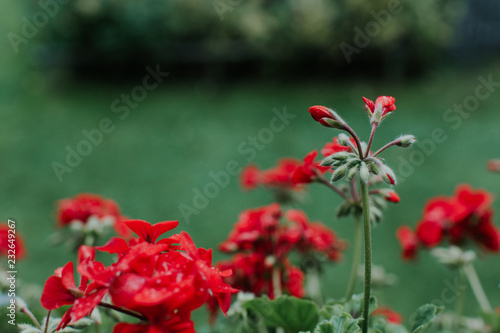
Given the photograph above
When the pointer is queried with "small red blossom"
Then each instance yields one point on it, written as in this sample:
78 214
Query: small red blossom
279 177
83 207
383 104
13 243
334 147
309 170
392 316
494 165
409 242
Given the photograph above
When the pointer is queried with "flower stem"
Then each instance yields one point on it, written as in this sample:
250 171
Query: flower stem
356 138
31 316
392 143
276 282
128 312
313 285
323 180
358 246
459 303
374 127
477 288
47 322
368 253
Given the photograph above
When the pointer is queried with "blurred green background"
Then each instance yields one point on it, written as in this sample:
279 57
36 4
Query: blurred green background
226 77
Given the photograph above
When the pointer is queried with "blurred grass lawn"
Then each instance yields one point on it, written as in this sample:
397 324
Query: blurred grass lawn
168 145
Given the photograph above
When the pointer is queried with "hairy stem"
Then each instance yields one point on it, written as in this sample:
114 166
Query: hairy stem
368 253
356 138
323 180
358 247
31 316
477 288
374 127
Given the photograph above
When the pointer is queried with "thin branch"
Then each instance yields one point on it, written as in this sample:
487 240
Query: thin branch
372 134
47 322
31 316
392 143
128 312
323 180
356 138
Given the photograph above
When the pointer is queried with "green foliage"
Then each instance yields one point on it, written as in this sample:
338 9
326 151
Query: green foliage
268 31
425 316
493 320
291 313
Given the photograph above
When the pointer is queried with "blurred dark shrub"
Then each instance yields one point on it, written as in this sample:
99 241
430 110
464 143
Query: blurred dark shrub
108 36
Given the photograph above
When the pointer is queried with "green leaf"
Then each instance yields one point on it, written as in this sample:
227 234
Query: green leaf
338 324
291 313
493 320
355 305
425 316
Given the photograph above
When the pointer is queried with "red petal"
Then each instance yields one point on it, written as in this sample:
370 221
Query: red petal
140 227
114 245
55 294
160 228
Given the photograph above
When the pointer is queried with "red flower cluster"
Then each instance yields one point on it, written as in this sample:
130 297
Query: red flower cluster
279 177
466 215
13 243
86 207
263 244
161 282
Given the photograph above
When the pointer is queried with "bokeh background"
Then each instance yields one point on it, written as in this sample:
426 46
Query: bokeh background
231 63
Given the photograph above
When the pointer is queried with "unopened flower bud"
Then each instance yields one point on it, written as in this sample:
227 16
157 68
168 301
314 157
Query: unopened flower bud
326 117
364 172
405 141
387 174
339 173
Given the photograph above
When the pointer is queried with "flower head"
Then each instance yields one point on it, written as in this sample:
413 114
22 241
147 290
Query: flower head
380 109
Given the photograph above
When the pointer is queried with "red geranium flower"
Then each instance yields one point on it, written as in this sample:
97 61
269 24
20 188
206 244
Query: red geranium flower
383 104
84 207
307 172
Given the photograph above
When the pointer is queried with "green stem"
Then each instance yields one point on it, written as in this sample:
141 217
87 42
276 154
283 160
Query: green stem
358 247
313 285
477 288
368 253
459 303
